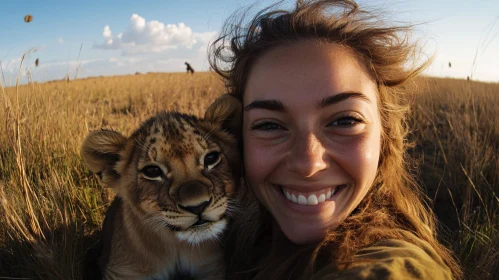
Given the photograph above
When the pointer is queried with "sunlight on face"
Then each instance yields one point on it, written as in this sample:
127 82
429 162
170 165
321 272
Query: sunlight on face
311 136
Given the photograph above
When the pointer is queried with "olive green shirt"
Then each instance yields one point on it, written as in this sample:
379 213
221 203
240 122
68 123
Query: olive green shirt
391 259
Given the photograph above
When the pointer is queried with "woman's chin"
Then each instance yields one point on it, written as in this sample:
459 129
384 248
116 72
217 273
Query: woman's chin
303 233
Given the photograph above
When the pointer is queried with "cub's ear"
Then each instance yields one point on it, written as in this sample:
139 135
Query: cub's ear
226 110
101 151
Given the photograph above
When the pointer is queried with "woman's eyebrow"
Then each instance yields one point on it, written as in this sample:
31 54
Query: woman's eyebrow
330 100
273 105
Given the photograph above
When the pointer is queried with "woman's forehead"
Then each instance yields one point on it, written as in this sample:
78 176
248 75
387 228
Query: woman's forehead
310 70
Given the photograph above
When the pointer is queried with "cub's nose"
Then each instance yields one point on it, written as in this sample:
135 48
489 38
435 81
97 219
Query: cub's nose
193 197
197 210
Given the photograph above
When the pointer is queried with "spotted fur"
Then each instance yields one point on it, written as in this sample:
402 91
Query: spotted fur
175 178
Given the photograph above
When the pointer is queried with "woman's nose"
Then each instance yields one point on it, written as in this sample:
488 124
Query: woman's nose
308 155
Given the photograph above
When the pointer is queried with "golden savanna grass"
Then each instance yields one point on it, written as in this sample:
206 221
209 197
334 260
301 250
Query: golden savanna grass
455 127
51 206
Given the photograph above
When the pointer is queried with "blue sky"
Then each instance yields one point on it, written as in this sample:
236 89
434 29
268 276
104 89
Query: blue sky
179 31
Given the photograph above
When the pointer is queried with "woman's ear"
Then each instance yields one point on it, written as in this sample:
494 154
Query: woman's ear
101 151
227 112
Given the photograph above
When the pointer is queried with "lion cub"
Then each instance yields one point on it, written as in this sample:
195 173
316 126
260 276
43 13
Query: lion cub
175 178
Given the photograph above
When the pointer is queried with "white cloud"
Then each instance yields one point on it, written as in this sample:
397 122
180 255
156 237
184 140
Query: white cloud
127 61
152 37
11 65
71 64
60 40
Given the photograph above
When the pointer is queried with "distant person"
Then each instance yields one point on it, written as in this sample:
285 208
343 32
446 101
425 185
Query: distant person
331 195
189 68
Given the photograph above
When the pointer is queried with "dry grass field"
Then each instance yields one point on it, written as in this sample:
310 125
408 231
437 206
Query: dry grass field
51 206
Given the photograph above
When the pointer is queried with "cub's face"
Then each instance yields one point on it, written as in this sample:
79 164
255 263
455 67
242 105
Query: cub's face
176 172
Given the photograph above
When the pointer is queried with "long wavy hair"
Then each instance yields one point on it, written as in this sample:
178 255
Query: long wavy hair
395 202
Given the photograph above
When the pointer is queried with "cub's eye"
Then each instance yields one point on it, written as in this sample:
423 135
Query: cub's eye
211 159
152 172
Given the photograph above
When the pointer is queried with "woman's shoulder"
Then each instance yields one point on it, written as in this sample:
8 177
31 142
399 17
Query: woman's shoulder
411 258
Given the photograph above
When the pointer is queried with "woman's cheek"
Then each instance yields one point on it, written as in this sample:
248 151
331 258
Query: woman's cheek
252 160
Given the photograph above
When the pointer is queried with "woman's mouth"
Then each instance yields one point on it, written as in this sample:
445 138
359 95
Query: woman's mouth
311 198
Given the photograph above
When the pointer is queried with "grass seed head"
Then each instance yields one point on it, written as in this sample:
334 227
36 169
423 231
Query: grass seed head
28 18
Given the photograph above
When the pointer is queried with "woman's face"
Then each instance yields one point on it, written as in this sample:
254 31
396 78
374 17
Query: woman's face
311 136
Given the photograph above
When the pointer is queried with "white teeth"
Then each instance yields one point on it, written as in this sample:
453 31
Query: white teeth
312 200
302 200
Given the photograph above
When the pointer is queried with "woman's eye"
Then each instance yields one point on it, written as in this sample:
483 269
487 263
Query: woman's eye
265 126
152 171
347 121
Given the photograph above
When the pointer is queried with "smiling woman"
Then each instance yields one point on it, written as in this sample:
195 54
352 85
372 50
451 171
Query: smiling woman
324 145
324 151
